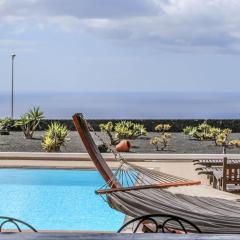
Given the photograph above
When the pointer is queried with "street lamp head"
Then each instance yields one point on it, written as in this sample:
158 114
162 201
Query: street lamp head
13 55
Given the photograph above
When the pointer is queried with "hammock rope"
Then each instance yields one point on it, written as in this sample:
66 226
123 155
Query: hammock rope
131 175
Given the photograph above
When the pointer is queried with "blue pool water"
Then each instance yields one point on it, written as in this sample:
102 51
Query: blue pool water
56 199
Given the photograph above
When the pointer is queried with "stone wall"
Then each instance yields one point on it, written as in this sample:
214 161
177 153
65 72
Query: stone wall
177 124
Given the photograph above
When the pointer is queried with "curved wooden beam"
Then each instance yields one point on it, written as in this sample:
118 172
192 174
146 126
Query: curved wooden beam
159 185
92 149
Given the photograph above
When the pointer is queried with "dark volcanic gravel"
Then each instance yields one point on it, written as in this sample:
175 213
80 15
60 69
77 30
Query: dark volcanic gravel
180 143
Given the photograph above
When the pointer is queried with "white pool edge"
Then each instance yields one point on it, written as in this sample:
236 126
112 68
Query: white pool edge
109 157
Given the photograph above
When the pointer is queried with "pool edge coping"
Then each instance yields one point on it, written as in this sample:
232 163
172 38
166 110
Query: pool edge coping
139 157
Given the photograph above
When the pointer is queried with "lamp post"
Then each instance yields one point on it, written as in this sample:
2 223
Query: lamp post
12 97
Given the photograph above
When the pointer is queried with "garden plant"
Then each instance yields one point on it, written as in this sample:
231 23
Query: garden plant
223 140
163 128
108 129
220 136
55 137
161 141
129 130
30 121
205 131
5 125
123 130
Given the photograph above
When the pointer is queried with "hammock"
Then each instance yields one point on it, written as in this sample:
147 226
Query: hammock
137 191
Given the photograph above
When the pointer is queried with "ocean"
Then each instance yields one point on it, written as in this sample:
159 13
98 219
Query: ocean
127 105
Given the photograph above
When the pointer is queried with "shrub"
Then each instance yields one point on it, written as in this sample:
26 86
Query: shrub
162 127
227 131
215 132
129 130
204 127
223 136
204 131
30 121
235 143
108 128
5 125
222 139
155 141
163 139
189 130
55 137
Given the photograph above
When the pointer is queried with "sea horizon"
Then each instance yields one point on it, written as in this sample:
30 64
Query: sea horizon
126 105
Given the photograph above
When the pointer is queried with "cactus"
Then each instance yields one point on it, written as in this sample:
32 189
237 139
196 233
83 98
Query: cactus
108 129
155 142
163 139
234 143
129 130
162 127
205 131
222 139
188 130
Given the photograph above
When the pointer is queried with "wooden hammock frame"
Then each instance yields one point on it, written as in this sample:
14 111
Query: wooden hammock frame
101 165
160 185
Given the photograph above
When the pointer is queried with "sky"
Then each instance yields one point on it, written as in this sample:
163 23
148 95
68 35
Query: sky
120 45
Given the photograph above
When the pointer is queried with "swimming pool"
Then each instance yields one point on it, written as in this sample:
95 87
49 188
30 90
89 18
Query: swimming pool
56 199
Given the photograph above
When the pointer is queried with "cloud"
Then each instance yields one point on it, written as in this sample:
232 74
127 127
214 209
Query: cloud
99 8
10 42
79 8
173 25
8 45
